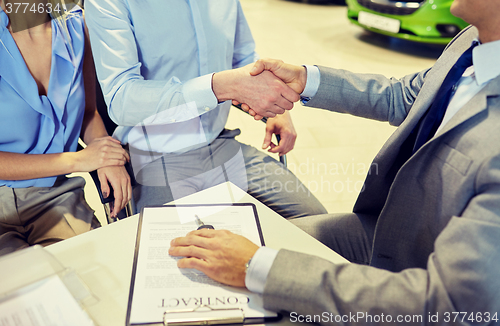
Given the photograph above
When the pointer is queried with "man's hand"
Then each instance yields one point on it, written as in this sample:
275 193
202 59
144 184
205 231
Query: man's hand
247 109
119 179
264 93
101 152
220 254
280 125
293 76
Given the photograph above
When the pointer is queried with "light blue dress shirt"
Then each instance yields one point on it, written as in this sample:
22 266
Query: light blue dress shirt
155 60
34 124
485 68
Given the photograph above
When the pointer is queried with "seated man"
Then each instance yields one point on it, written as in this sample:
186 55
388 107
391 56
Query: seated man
425 232
156 62
47 93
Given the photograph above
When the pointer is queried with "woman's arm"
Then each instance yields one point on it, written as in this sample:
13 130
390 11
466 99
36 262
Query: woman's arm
102 152
15 166
94 133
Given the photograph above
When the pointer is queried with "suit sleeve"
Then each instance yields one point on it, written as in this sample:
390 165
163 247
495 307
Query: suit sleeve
461 274
368 95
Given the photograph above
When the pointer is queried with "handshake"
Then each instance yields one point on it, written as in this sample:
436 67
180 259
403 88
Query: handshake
265 88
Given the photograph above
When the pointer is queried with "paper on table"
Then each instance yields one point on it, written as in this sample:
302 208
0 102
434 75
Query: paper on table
45 303
160 285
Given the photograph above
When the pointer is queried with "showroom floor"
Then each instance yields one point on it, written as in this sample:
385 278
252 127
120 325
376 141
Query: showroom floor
333 151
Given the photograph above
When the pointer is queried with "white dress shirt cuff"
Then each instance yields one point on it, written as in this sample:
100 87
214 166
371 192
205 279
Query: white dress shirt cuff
259 268
199 90
312 83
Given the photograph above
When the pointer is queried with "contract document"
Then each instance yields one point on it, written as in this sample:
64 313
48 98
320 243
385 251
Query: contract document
161 293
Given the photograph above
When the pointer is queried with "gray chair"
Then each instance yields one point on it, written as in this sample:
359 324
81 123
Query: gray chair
278 138
129 209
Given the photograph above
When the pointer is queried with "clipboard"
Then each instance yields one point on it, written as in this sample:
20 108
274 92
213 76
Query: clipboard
36 288
178 298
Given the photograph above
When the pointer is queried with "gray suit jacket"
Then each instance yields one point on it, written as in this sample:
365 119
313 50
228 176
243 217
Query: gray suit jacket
437 239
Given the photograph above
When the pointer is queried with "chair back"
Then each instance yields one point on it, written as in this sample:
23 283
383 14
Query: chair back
102 108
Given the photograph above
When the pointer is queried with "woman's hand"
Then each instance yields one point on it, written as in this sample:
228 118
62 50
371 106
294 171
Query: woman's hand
118 178
101 152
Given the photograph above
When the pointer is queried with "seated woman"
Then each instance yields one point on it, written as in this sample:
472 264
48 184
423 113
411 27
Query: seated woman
47 101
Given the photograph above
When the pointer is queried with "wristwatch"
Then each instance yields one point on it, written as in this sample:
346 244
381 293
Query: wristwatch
247 265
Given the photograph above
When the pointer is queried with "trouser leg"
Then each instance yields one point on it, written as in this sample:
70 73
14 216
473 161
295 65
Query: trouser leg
11 230
152 188
11 239
44 215
59 212
350 235
225 159
277 187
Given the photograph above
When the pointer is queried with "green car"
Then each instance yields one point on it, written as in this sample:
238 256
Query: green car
428 21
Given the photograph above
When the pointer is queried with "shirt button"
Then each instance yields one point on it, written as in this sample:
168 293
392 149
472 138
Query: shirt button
173 120
207 109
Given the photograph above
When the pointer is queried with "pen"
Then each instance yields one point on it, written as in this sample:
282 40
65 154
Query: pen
202 225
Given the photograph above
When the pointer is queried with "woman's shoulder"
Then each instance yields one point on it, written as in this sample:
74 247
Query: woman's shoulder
69 13
69 30
4 20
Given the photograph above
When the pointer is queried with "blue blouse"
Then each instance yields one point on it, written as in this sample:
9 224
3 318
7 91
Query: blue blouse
34 124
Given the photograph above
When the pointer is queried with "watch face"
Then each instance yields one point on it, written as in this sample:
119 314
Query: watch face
247 265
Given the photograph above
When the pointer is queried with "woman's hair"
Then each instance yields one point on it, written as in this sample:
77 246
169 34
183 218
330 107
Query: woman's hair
61 11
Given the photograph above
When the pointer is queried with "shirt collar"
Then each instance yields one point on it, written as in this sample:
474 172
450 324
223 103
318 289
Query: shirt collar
60 42
486 63
4 20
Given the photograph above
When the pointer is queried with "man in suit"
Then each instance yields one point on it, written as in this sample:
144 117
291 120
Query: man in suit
425 232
